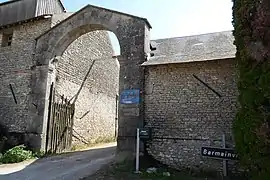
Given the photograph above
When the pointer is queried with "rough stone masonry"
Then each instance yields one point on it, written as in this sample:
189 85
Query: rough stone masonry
27 66
183 112
191 98
185 115
15 63
71 70
133 35
96 107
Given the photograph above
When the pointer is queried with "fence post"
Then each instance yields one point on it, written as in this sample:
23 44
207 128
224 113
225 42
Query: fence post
48 135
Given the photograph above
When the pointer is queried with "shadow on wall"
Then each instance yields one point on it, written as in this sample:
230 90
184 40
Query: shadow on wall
75 164
88 75
9 139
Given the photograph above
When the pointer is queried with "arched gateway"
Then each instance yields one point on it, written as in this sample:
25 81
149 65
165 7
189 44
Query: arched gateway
133 35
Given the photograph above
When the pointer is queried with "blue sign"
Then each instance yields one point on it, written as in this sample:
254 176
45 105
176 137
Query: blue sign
130 96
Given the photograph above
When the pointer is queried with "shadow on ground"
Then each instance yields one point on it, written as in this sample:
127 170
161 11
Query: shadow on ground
72 165
125 171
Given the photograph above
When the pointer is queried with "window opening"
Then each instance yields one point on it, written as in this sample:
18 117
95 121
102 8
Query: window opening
7 39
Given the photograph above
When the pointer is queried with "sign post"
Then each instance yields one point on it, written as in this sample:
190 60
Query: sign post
138 151
223 154
225 162
142 134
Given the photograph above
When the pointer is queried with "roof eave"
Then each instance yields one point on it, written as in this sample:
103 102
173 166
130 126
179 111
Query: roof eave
183 62
8 2
26 21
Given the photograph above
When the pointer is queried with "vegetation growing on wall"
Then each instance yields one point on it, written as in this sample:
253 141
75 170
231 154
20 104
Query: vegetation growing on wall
251 20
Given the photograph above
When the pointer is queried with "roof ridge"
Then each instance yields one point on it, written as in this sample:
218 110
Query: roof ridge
123 13
194 35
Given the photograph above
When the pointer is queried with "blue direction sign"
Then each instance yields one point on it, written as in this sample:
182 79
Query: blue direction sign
130 96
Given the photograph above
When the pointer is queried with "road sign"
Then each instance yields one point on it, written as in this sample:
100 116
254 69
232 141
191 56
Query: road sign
219 153
145 133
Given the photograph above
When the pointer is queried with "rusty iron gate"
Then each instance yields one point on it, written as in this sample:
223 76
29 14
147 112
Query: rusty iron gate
60 124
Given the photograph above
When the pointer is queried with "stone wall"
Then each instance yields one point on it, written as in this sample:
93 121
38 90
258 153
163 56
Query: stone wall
186 115
97 101
131 32
15 69
95 108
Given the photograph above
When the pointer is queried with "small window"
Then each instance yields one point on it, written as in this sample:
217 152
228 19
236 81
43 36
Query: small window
7 39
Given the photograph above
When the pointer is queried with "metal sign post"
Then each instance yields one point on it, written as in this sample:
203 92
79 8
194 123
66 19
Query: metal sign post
225 162
138 151
224 154
143 134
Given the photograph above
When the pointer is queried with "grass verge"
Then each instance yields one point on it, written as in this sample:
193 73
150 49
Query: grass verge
125 171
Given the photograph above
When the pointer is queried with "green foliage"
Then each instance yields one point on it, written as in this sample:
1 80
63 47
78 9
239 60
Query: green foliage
252 123
16 154
39 154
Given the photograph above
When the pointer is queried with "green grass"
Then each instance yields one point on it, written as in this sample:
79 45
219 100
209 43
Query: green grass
125 171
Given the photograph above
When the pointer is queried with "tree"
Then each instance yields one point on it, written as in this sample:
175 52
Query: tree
251 20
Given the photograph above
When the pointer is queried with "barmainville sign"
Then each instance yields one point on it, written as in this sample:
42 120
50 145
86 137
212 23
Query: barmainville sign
219 153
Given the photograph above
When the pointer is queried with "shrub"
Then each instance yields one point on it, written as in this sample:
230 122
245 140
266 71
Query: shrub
16 154
39 154
252 124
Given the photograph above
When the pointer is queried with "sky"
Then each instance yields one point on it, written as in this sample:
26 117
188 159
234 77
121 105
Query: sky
169 18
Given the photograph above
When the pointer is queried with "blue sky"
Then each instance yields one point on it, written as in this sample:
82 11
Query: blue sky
169 18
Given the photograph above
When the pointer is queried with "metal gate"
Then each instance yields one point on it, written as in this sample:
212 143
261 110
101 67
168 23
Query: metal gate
60 124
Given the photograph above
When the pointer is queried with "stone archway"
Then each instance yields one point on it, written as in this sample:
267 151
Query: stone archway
133 35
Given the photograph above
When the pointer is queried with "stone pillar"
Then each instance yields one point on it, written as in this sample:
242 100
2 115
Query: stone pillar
131 116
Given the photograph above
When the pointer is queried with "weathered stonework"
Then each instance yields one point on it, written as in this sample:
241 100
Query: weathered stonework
100 93
29 66
185 115
15 66
96 106
133 35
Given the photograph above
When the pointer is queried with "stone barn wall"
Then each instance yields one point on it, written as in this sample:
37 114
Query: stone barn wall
98 96
96 106
186 115
15 69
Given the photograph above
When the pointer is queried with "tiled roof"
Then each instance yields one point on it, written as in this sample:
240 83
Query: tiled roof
203 47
